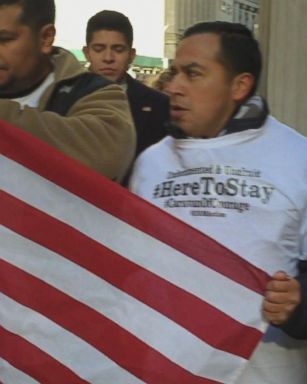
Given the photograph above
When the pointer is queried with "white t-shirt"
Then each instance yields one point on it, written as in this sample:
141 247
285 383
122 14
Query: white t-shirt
247 190
32 99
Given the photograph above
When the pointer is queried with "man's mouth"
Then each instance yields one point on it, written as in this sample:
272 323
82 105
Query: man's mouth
177 111
107 70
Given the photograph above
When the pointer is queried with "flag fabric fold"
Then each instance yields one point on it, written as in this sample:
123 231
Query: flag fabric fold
99 286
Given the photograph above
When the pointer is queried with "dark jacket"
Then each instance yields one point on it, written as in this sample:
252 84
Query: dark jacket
150 112
297 325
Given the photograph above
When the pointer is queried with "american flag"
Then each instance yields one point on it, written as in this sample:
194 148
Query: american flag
99 286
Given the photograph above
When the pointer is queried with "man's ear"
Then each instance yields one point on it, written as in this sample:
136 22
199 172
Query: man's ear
85 51
242 85
47 35
132 55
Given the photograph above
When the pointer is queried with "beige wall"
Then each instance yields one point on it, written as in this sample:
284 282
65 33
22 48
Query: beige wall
180 14
283 39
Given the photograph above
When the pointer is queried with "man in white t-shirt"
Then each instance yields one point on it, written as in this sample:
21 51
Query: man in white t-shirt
237 174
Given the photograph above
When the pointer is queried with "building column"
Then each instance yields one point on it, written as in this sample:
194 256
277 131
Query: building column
171 29
283 36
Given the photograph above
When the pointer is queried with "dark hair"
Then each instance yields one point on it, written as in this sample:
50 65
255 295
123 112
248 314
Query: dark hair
239 49
111 21
35 13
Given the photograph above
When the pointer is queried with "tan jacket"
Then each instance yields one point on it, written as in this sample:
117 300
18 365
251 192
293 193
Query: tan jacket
97 130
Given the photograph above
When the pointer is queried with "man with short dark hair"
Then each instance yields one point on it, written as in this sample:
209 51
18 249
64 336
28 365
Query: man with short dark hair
238 175
45 91
109 39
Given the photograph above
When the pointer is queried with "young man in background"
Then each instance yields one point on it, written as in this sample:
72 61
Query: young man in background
109 40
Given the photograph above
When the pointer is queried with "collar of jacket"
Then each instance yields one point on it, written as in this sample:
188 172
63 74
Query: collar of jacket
66 66
250 115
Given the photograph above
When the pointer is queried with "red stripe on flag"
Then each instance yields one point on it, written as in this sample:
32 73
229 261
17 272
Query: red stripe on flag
83 182
106 336
27 358
202 319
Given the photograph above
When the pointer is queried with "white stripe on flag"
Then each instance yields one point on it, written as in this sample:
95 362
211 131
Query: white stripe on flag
160 258
149 326
11 375
77 355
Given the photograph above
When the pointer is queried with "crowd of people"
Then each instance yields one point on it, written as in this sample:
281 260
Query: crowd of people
204 112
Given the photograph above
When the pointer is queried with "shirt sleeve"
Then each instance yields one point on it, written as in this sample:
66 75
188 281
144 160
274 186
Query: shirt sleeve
297 326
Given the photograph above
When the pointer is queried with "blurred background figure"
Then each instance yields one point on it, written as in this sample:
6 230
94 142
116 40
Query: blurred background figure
162 81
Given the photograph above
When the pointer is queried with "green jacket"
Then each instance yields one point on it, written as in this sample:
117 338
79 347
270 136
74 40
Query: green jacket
96 129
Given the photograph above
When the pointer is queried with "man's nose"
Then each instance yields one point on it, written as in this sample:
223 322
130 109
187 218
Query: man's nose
108 56
175 84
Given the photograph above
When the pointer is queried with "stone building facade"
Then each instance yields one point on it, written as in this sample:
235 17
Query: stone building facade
283 37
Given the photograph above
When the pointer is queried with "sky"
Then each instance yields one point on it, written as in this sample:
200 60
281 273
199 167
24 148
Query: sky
146 16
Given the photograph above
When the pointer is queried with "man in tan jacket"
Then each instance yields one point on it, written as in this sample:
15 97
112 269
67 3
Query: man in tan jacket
46 92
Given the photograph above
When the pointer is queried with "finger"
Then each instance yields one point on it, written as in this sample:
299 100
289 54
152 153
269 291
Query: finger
289 285
277 308
281 275
277 321
270 308
282 297
275 318
278 286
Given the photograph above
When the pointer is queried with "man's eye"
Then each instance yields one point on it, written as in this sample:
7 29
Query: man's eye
98 49
193 74
120 49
